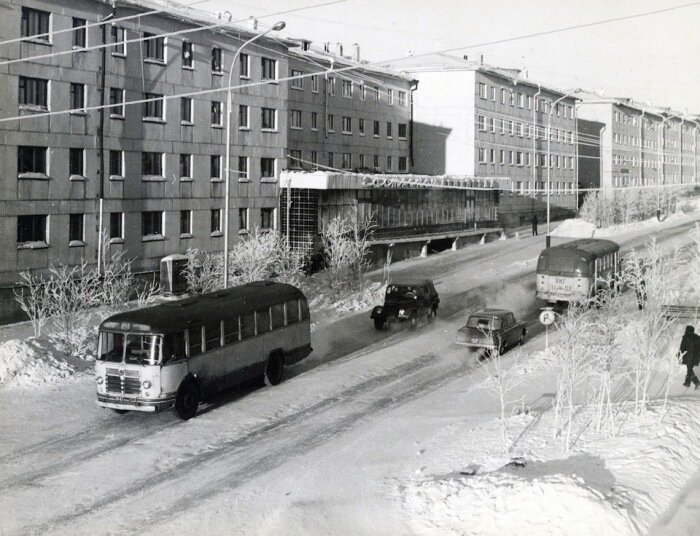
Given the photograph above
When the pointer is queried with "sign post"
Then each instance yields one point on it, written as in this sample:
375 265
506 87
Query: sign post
547 317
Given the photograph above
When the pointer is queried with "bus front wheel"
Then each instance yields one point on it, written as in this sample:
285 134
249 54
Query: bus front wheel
274 371
187 400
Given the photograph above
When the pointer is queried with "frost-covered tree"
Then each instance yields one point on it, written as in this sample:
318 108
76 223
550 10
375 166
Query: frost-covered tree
35 300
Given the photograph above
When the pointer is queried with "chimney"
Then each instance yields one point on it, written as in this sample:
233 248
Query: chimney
481 60
356 52
338 49
305 44
465 57
326 46
253 23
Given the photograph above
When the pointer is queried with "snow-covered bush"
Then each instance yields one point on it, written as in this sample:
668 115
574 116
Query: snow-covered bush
34 298
262 255
204 271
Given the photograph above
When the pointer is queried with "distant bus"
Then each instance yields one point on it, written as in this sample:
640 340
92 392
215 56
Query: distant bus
576 270
175 354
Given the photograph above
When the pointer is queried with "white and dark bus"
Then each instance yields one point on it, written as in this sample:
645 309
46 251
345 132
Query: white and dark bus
175 354
576 270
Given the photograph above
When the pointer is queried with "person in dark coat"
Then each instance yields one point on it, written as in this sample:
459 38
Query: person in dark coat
534 224
690 355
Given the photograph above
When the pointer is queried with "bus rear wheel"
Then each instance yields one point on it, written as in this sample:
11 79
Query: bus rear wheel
187 401
274 371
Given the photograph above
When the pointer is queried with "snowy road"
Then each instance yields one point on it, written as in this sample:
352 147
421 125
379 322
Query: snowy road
318 454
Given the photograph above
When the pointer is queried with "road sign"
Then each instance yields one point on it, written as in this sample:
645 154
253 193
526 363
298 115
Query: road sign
547 317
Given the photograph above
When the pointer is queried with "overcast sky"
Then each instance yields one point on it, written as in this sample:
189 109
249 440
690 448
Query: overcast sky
654 59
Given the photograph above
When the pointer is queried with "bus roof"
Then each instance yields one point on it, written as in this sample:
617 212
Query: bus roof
591 247
177 315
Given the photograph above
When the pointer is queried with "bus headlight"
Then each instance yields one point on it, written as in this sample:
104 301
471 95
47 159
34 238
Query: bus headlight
146 384
100 380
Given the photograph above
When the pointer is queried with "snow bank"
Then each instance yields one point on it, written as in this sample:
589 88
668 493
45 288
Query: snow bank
32 362
574 228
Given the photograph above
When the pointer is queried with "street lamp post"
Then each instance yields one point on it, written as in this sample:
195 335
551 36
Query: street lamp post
277 27
549 153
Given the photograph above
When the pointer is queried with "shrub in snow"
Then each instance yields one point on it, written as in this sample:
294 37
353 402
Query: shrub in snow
263 255
35 300
204 271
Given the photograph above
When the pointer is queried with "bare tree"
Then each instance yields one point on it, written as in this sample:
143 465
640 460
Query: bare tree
34 298
204 271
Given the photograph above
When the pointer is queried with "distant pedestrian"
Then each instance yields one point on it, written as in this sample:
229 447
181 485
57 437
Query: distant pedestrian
534 223
690 355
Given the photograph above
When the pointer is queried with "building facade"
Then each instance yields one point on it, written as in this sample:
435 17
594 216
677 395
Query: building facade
480 121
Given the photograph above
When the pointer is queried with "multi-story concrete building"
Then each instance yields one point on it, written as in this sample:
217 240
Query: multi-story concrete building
588 155
481 121
642 145
151 173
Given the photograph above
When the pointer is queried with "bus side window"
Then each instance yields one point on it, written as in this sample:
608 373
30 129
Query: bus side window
231 330
247 325
277 312
292 308
262 320
194 339
304 309
212 335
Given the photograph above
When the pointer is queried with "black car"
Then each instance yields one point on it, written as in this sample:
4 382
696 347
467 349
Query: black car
407 301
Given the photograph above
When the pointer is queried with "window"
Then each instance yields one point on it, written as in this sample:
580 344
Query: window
503 96
521 100
519 158
215 220
297 82
493 93
242 168
244 70
269 119
262 320
492 154
215 167
153 107
186 110
295 159
243 219
375 162
267 218
511 97
119 40
151 223
483 91
291 308
389 163
31 228
346 162
75 161
31 159
186 222
347 125
295 119
116 225
35 24
347 88
269 69
185 166
376 129
481 122
216 60
243 117
403 163
363 91
511 157
77 97
116 101
152 163
187 55
33 91
314 159
402 98
116 163
491 124
362 161
194 338
314 121
314 83
153 48
330 85
267 167
390 96
502 159
216 114
330 159
376 94
212 335
76 228
511 128
79 33
361 126
277 315
388 130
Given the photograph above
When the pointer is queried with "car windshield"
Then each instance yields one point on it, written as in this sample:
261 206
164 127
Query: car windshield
401 291
129 348
484 322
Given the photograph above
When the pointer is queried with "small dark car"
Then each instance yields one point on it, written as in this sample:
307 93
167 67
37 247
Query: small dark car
492 330
407 301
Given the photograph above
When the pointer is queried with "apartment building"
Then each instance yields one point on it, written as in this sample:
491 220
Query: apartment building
642 145
481 121
151 173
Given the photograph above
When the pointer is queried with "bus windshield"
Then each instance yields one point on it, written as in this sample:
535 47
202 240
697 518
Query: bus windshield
129 348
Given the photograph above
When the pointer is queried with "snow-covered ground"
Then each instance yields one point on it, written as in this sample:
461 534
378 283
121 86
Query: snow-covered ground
400 437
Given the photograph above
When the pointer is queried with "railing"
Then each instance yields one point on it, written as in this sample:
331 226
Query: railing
684 312
421 230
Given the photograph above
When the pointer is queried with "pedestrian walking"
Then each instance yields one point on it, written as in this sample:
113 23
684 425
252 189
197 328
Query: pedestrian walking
534 224
690 355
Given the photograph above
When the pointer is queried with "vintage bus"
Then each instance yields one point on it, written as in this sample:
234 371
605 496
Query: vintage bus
176 353
576 270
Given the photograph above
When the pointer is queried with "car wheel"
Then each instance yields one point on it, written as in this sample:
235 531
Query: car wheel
378 323
274 371
187 400
502 348
120 411
521 340
413 321
432 314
